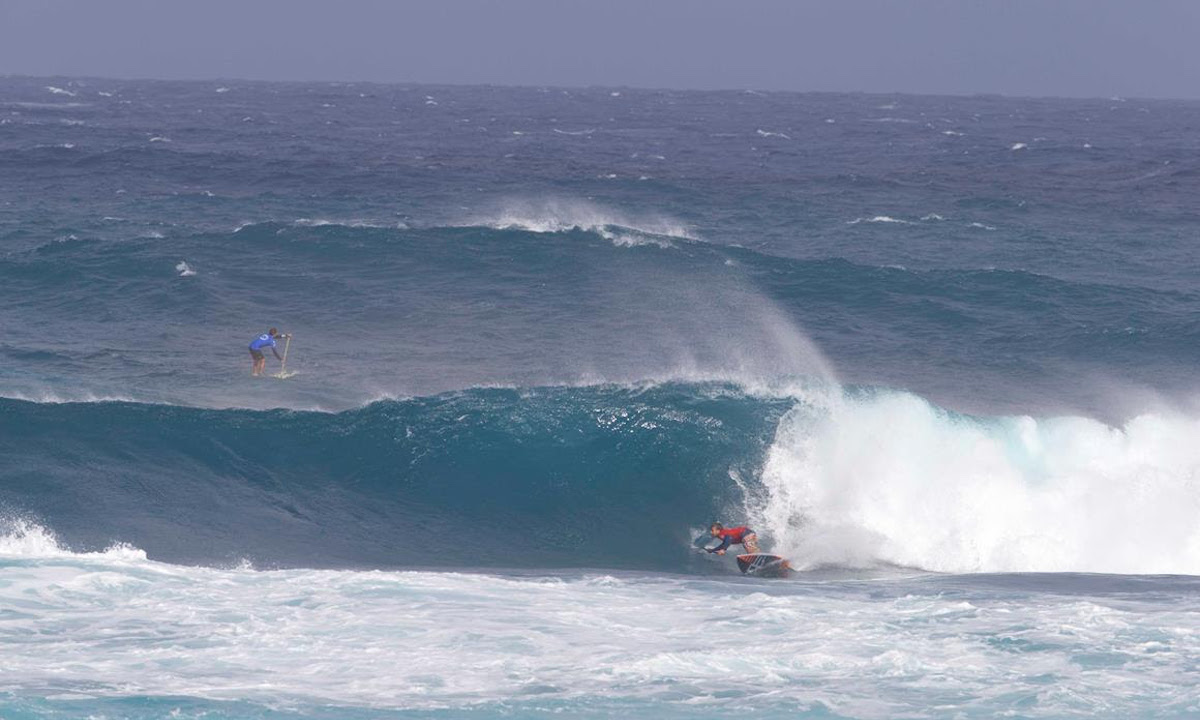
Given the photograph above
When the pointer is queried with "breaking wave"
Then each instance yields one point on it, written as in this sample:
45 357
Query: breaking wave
607 476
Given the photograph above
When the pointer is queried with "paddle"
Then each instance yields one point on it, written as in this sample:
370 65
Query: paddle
283 363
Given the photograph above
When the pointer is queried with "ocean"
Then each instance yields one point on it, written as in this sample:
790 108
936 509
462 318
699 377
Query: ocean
940 352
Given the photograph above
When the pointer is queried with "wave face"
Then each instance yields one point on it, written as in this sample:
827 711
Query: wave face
606 477
544 478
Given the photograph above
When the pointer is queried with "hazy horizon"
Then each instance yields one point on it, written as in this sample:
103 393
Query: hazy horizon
642 88
1016 48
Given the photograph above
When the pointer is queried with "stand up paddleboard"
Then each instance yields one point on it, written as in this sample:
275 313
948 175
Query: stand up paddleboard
763 565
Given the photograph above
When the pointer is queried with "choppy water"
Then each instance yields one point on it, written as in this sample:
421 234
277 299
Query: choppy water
940 352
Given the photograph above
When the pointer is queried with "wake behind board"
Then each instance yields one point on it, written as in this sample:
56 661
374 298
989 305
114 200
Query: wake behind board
763 565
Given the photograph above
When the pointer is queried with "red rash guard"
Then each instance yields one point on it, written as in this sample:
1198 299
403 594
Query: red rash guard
732 536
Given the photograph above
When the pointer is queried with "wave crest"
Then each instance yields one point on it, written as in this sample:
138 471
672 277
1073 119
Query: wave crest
24 538
559 215
886 476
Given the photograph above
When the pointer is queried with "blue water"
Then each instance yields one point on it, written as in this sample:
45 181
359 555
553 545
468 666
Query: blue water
940 352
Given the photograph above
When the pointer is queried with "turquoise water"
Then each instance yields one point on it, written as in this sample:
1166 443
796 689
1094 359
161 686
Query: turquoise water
939 352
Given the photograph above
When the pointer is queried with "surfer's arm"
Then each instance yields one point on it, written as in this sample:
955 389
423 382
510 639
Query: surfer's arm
722 547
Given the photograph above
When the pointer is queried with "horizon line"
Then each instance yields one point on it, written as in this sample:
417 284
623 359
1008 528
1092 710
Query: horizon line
642 88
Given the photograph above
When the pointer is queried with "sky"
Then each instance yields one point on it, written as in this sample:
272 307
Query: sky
1066 48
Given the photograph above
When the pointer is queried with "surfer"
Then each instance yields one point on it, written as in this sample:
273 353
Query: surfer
267 339
733 536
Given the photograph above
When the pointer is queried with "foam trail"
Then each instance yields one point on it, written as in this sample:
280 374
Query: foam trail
888 477
146 639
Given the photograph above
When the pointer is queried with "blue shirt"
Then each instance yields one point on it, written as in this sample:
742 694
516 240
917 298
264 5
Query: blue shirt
262 341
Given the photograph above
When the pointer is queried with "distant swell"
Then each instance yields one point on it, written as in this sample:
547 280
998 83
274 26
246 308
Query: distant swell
394 311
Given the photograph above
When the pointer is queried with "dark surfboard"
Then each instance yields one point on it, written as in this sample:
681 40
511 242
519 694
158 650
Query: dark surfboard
763 565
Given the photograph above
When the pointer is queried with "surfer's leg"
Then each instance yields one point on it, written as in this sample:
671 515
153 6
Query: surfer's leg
750 542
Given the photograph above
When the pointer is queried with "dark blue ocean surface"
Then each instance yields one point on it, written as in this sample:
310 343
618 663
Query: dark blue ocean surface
990 253
940 352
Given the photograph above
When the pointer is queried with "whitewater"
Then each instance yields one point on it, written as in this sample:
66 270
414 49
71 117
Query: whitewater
938 352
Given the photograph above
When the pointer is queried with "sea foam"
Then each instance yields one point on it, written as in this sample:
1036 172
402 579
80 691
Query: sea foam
24 538
878 219
887 477
359 644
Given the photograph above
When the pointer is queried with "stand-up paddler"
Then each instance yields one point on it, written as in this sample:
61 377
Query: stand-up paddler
266 340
